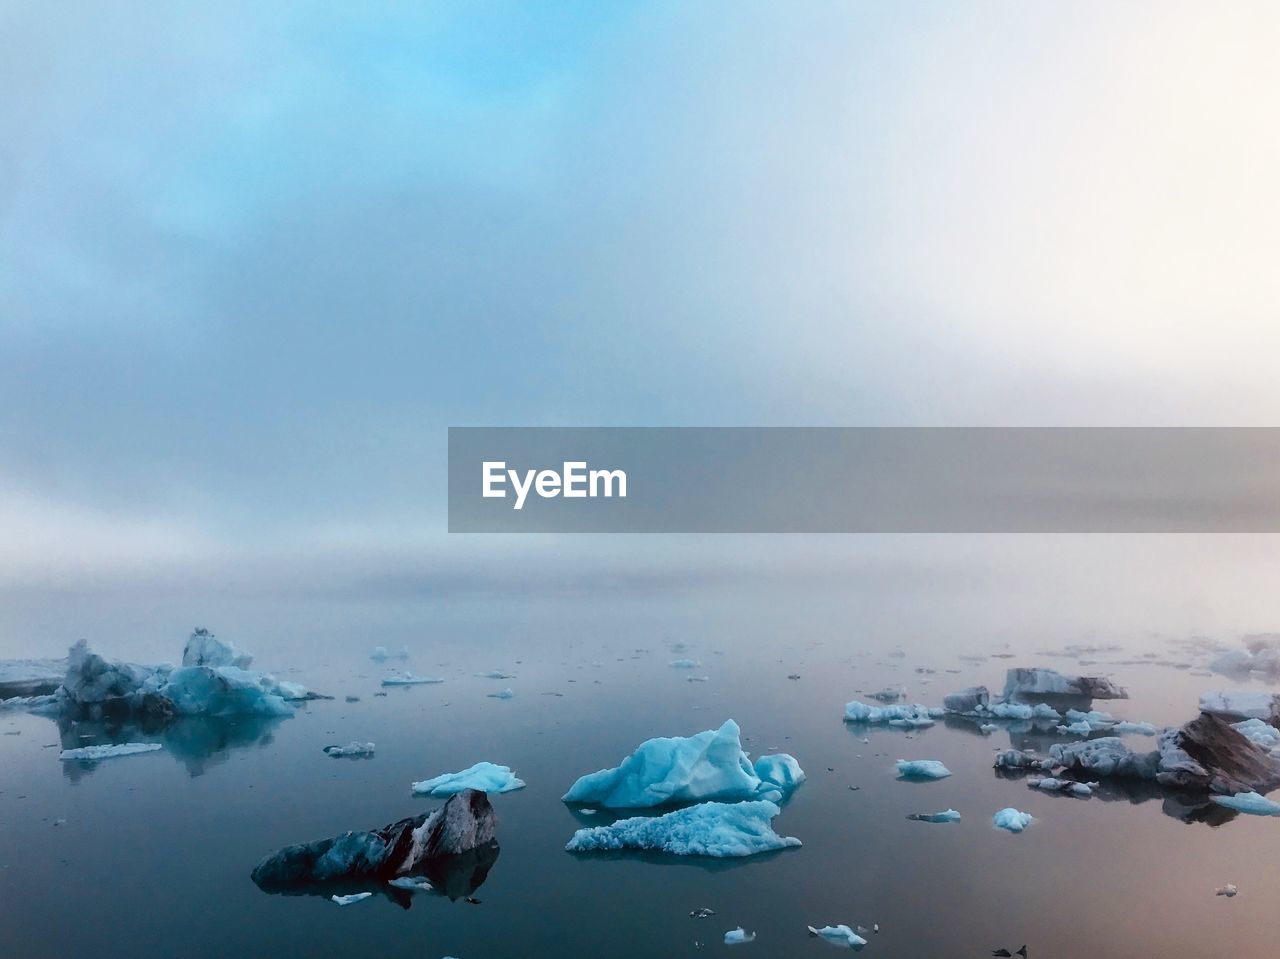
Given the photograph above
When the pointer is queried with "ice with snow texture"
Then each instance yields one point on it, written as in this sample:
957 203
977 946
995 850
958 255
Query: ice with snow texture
716 829
1252 803
736 937
94 753
708 766
901 715
352 749
483 776
922 769
840 935
1012 820
408 679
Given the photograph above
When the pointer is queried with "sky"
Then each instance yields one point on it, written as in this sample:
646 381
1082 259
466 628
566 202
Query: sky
256 258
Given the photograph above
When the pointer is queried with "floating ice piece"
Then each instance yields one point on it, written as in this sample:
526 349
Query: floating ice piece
988 728
205 649
1078 729
1031 682
697 679
922 769
1141 729
967 702
502 694
702 912
348 900
840 935
1012 820
1020 759
408 679
781 770
94 753
1240 704
685 664
717 829
947 815
708 766
496 674
902 715
1260 655
352 748
1106 757
483 776
381 654
1228 890
1252 803
412 883
24 678
1051 785
1022 711
1093 719
736 937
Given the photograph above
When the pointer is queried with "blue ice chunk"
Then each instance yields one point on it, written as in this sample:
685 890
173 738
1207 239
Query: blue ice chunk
1252 803
484 777
922 769
1012 820
716 829
901 715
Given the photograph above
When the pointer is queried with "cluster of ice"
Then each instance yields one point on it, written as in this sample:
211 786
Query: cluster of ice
1012 820
1022 683
1108 756
483 776
1051 785
714 829
840 935
736 937
1241 704
1251 802
94 753
1021 711
922 769
708 766
903 716
947 815
967 702
353 749
409 679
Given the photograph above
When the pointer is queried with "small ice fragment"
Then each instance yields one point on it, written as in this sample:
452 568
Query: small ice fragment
685 664
1228 890
348 900
1012 820
840 935
94 753
703 912
503 694
412 883
496 674
1252 803
922 769
1051 785
353 748
408 679
381 654
483 777
736 937
947 815
697 679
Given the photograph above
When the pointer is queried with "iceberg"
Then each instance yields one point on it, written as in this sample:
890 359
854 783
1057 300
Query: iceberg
503 694
1023 682
1108 756
902 715
840 935
94 753
716 829
1051 785
735 937
922 769
967 702
947 815
408 679
205 649
1012 820
1141 729
1251 802
484 776
1022 711
25 678
1241 704
348 900
1261 655
708 766
1260 733
353 749
1018 759
465 823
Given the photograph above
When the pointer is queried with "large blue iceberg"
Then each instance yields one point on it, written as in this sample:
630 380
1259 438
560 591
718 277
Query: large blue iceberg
680 769
716 829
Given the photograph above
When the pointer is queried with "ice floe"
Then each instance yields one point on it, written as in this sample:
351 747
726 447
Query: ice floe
484 776
947 815
352 749
1051 785
736 937
94 753
710 765
1241 704
1251 802
348 900
922 769
409 679
840 935
900 715
503 694
716 829
412 883
685 664
1012 820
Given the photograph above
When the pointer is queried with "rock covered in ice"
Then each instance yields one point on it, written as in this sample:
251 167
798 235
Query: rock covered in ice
94 753
736 937
717 829
353 749
1107 756
840 935
1051 785
922 769
1012 820
464 823
409 679
27 678
947 815
205 649
1024 682
967 702
1241 704
483 776
910 716
708 766
1250 802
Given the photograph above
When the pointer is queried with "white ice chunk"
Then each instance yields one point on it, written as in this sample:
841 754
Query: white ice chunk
1141 729
736 937
352 748
483 776
1080 728
901 715
408 679
348 900
840 935
205 649
1256 731
412 883
922 769
709 765
1012 820
503 694
94 753
1252 803
1239 704
1051 785
715 829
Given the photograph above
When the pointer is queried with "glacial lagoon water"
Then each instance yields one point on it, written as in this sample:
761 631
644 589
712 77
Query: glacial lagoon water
150 855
